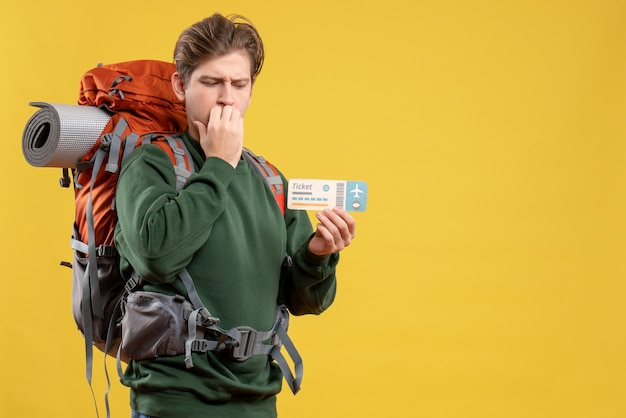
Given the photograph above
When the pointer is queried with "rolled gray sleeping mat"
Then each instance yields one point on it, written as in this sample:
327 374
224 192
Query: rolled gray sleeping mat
58 135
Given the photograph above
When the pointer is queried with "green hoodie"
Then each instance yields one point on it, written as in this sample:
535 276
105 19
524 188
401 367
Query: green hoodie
226 228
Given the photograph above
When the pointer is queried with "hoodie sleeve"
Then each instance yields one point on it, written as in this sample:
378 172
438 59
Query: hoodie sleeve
159 229
308 283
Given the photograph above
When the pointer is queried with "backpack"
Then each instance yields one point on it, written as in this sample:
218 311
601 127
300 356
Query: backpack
143 109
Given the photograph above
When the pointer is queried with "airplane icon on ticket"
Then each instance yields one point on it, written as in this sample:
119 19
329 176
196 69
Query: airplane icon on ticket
357 192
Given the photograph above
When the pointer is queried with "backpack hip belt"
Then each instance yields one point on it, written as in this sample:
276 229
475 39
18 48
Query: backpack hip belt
173 325
241 342
244 342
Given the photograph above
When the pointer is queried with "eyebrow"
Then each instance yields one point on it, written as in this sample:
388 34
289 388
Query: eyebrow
223 79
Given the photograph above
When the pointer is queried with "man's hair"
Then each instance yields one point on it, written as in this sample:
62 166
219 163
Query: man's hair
216 36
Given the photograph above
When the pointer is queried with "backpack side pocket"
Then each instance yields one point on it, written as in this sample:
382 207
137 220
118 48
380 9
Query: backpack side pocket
153 325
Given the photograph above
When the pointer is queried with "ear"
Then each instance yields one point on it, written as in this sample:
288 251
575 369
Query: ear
178 85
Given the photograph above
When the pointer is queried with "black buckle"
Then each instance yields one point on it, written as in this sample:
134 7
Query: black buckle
201 346
106 251
132 283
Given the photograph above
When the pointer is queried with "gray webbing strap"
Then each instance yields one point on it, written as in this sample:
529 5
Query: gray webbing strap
118 362
294 382
192 326
79 246
130 143
181 142
193 343
107 348
194 298
260 163
179 150
199 317
91 299
114 141
199 312
91 288
147 139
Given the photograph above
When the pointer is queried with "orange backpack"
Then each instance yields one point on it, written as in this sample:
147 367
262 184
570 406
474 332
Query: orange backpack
143 109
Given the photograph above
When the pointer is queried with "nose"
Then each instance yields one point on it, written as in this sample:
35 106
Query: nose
226 95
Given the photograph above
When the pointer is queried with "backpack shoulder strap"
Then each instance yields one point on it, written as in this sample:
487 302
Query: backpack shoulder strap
270 175
175 148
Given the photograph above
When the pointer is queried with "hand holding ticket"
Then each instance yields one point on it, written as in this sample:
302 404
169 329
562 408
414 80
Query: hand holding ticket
315 194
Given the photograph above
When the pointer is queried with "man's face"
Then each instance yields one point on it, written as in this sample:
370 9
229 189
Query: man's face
220 81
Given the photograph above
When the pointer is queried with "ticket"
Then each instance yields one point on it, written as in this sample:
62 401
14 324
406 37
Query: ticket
317 194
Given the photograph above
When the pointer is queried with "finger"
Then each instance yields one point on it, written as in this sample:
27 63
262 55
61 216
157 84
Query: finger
214 116
227 113
339 226
329 244
348 219
334 225
236 115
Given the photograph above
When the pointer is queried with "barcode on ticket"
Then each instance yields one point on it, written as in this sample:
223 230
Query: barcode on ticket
316 194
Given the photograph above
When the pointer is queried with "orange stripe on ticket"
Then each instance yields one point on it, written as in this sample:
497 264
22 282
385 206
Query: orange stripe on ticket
322 205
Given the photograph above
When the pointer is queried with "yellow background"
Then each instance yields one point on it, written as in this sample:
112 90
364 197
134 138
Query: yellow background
487 278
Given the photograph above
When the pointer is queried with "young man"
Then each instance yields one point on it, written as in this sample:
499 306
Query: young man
224 227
